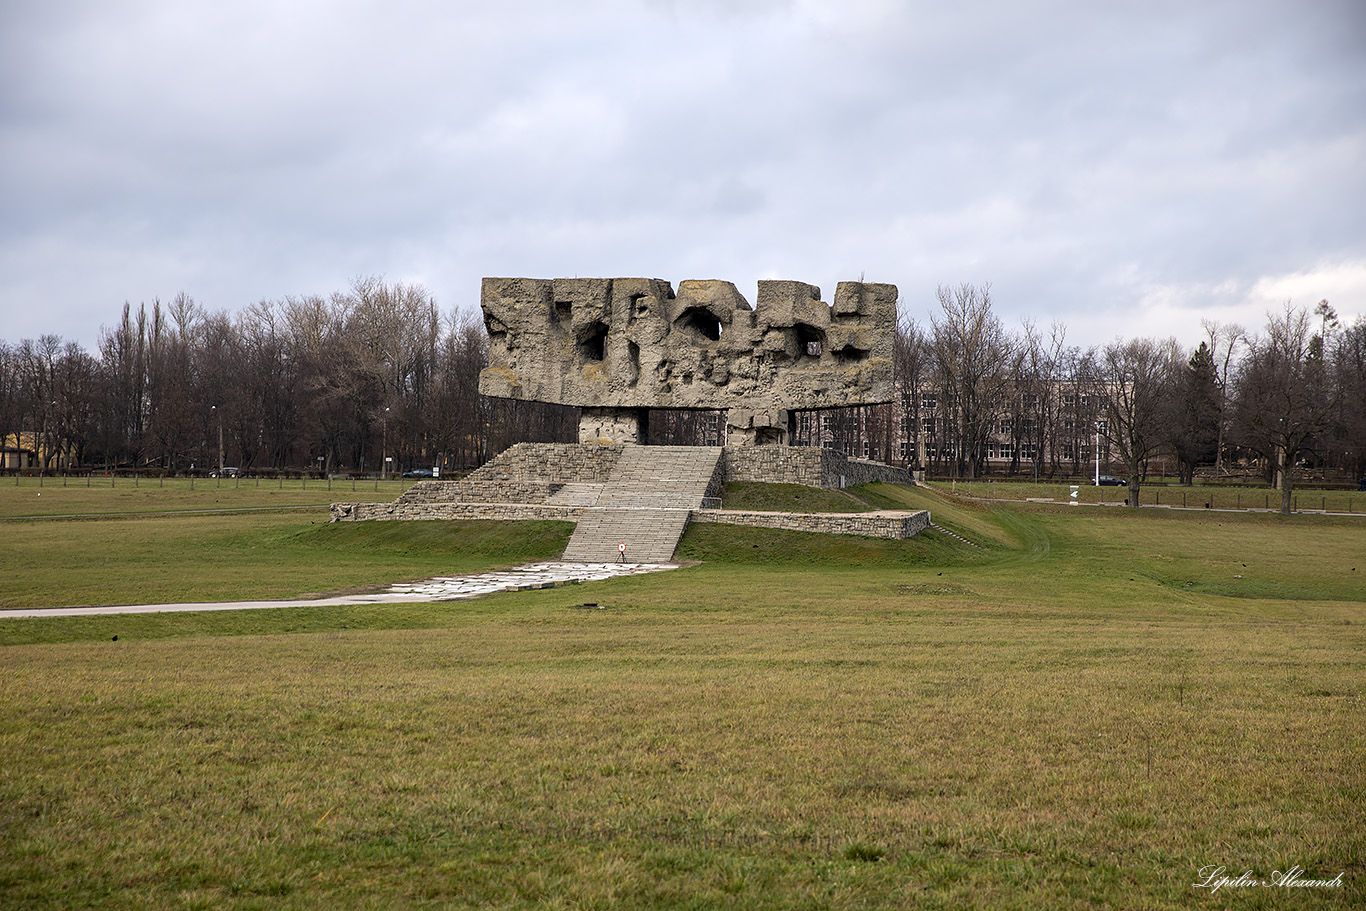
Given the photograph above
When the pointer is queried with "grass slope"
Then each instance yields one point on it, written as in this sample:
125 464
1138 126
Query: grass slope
1082 713
209 558
789 498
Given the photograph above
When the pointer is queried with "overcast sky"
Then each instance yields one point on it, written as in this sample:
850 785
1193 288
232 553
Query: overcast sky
1124 169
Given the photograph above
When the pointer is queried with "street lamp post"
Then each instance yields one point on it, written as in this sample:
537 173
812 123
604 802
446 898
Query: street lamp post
1097 453
384 450
219 415
52 438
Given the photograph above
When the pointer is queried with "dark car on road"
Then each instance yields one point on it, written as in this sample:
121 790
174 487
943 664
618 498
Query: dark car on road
420 473
1106 480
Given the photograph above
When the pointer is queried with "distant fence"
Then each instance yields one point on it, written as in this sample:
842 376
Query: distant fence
139 479
1315 499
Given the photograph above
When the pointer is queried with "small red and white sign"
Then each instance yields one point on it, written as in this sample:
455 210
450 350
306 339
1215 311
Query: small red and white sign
621 548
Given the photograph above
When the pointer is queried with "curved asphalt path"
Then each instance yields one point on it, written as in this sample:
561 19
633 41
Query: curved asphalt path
442 588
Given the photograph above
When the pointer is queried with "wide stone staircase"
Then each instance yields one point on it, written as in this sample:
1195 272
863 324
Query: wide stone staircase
644 504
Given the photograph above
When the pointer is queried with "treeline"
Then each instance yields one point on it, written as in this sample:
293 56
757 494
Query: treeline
314 383
339 383
973 395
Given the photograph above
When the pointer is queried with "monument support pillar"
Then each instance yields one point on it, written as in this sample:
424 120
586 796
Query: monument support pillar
770 427
614 425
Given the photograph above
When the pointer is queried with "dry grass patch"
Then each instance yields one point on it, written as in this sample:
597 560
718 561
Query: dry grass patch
1053 723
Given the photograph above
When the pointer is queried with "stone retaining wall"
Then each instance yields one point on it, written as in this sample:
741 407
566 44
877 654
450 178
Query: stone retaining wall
805 465
868 525
478 491
592 463
431 492
507 491
862 471
527 474
589 463
503 512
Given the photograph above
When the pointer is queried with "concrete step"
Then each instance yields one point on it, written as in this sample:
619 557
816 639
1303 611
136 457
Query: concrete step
650 535
674 476
645 504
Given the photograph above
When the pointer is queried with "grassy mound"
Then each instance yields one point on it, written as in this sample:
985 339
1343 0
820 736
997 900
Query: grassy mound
789 498
736 544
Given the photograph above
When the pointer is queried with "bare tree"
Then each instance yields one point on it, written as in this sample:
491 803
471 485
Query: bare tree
172 422
10 393
909 357
971 356
1283 404
123 362
1224 341
1135 378
37 393
1040 370
74 385
459 414
1349 384
1079 379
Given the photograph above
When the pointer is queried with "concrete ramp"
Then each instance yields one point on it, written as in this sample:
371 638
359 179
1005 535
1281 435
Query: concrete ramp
645 504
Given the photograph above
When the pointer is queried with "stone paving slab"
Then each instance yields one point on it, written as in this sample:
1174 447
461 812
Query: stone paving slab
442 588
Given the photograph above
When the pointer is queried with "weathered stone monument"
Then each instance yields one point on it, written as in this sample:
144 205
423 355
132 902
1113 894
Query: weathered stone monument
617 347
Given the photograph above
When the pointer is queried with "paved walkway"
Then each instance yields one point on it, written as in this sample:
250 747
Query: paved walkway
441 588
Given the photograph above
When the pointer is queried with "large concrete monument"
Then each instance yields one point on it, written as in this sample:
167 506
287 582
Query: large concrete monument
616 347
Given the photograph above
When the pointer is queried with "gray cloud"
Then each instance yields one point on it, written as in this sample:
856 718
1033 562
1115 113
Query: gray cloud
1122 168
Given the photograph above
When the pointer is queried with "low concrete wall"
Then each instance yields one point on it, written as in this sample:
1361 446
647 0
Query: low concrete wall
503 512
869 525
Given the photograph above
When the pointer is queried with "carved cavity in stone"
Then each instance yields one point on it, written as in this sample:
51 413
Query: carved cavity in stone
593 342
701 323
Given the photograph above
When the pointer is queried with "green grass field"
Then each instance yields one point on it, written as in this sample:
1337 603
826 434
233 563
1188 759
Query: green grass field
1163 493
57 496
1082 712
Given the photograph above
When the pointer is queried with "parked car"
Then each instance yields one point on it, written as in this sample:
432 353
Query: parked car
228 473
1110 481
420 473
